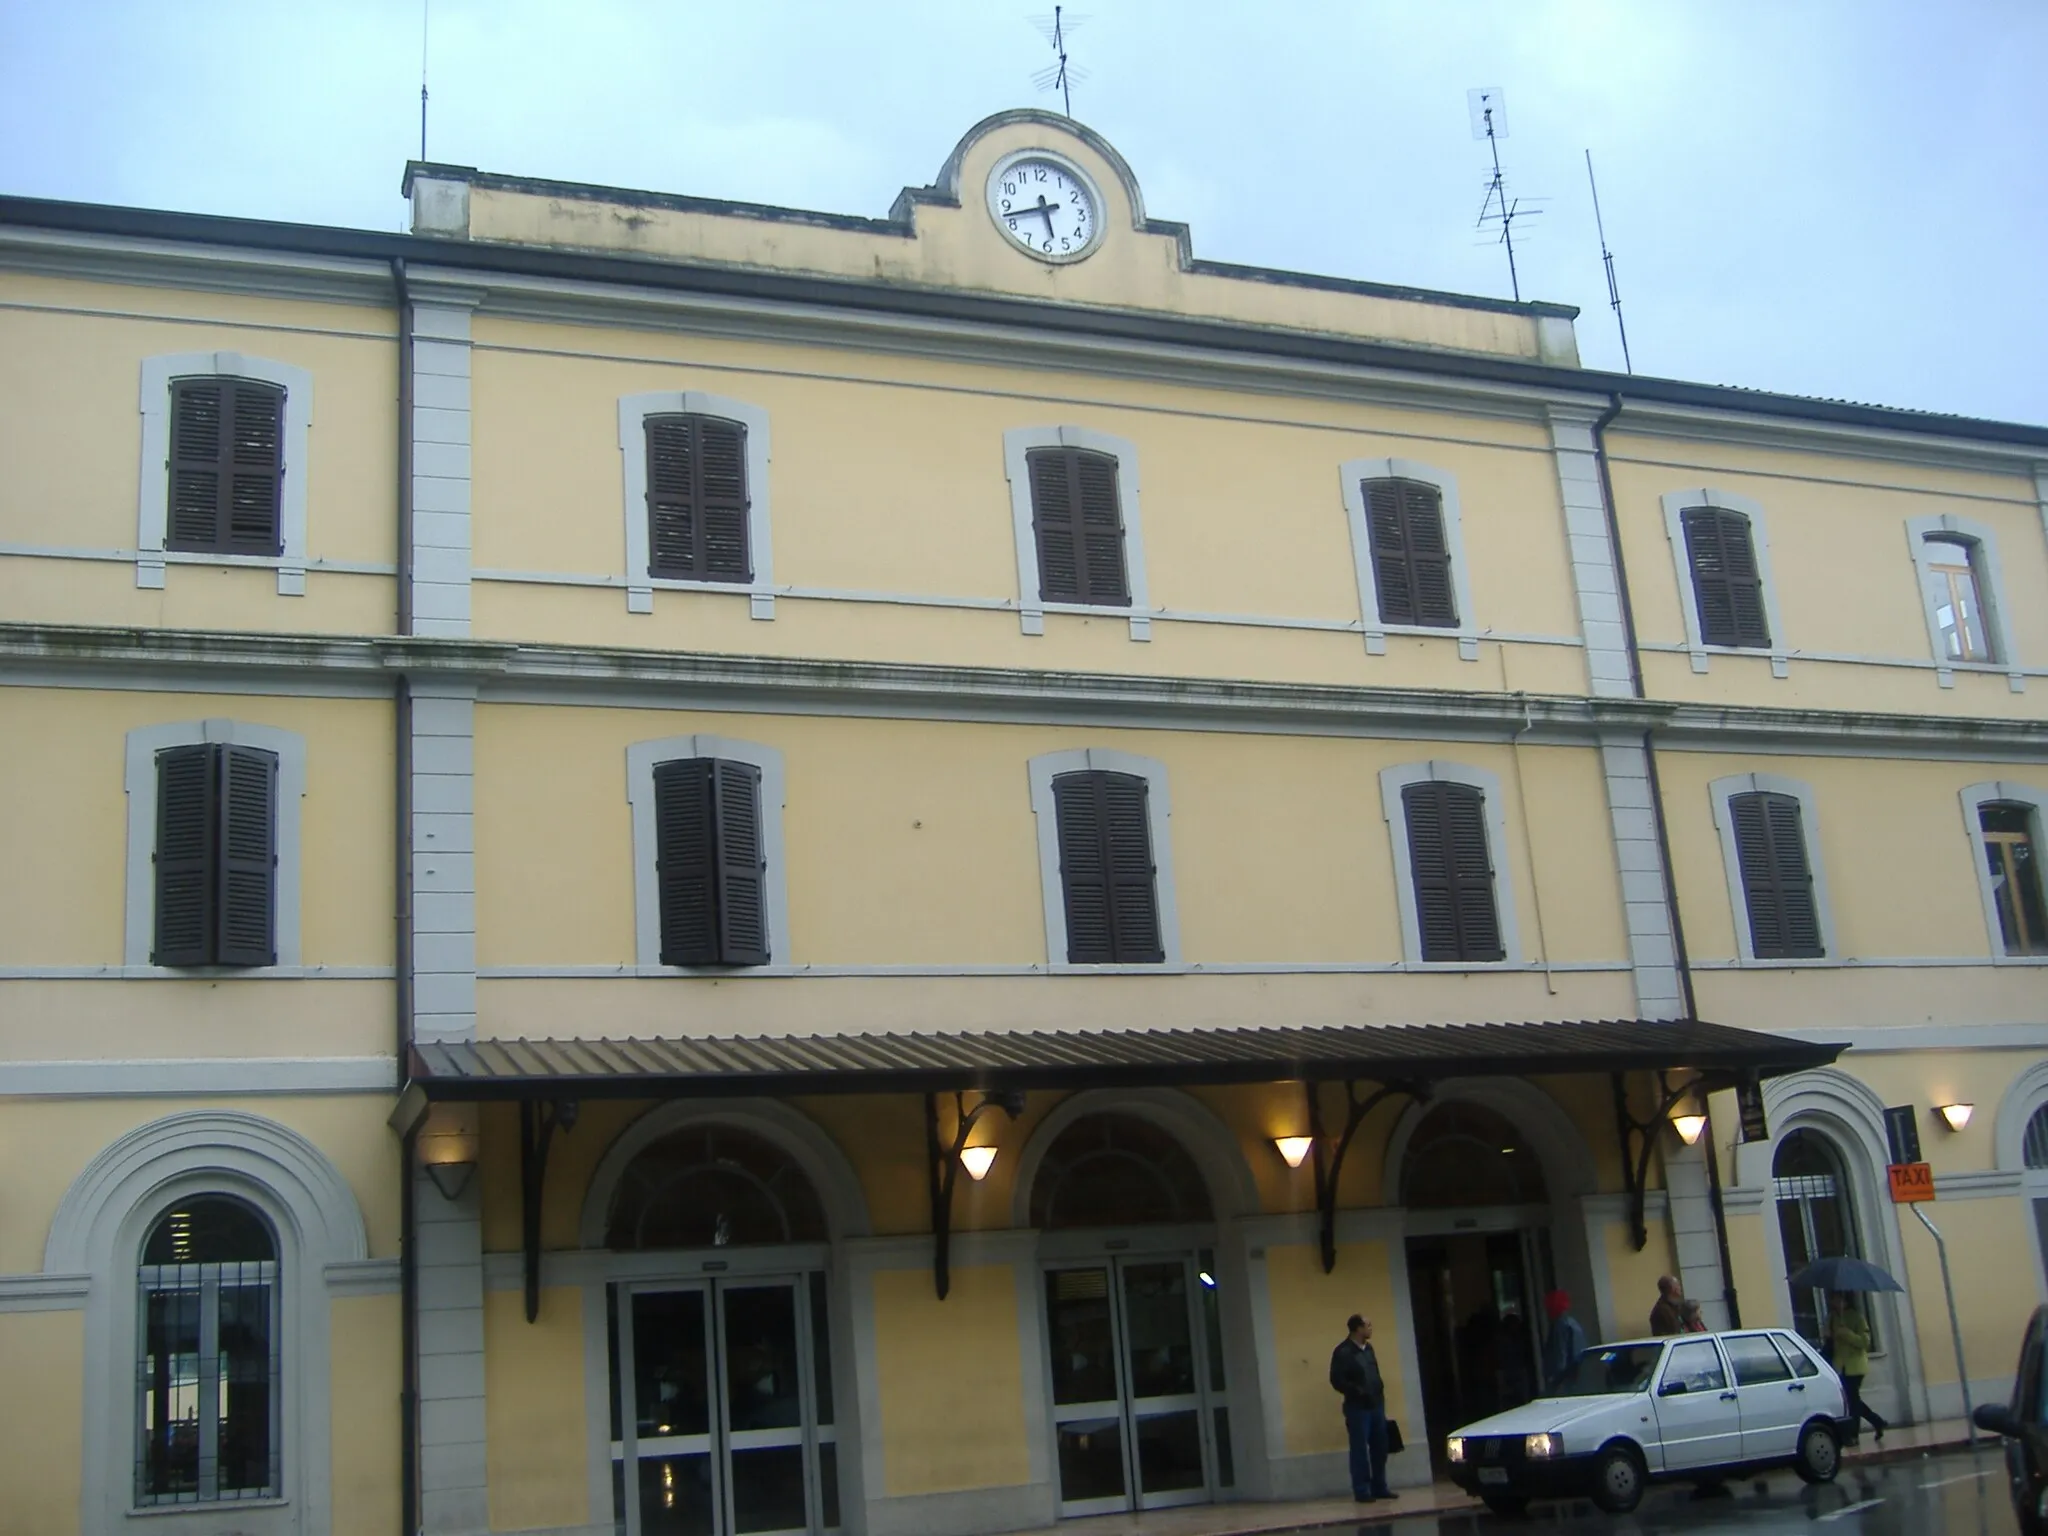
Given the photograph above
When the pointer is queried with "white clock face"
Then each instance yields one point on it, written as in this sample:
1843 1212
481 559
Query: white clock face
1044 206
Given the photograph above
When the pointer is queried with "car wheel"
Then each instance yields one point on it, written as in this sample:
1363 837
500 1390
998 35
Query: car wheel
1819 1457
1618 1480
1509 1506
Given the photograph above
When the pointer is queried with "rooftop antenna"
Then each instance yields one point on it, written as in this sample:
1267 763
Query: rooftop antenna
1490 122
424 6
1062 75
1607 260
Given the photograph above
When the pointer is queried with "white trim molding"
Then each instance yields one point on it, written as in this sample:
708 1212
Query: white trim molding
139 928
1979 544
641 759
1017 443
2025 1096
633 413
98 1231
1675 505
152 517
1395 779
1974 798
1048 766
1354 472
1720 792
1610 671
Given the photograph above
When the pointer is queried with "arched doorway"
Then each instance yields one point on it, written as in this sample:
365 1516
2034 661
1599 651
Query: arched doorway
1817 1219
1479 1266
1134 1334
721 1416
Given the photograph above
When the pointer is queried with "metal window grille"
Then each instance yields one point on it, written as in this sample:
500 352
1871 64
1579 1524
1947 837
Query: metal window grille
2035 1151
207 1375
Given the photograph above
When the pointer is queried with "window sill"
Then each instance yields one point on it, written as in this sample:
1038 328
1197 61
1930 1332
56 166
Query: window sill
290 567
208 1507
760 596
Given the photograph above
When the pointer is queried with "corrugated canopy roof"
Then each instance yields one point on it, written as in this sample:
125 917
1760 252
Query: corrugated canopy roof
709 1067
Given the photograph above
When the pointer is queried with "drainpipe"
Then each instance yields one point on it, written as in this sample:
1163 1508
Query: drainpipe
1680 955
408 1254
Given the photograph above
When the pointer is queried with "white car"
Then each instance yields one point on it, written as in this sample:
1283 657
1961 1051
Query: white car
1689 1408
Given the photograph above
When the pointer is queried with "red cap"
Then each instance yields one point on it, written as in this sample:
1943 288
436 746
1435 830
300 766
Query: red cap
1556 1304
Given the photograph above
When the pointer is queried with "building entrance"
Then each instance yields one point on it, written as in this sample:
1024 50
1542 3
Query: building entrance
1140 1415
722 1407
1477 1280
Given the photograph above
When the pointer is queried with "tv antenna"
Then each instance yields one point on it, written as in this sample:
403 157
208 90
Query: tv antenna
1490 122
1060 76
1607 260
424 4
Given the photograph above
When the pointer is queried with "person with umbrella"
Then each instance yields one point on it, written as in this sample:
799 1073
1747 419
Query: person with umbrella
1848 1329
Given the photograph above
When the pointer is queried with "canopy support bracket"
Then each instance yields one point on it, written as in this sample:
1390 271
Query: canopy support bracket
943 1165
1639 1137
1326 1173
537 1123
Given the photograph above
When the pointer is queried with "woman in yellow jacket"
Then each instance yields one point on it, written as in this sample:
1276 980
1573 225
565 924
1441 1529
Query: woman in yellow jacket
1850 1333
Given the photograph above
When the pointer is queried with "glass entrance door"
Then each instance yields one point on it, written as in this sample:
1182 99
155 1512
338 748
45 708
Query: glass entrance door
722 1408
1140 1414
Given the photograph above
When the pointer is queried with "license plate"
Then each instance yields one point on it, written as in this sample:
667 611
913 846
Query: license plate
1493 1474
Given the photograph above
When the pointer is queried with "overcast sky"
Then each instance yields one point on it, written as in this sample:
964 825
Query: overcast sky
1830 197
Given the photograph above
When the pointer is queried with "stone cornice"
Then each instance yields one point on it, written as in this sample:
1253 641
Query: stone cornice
366 666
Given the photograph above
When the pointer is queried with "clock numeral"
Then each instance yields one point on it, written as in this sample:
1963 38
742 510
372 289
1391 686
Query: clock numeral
1013 225
1006 205
1010 187
1065 243
1048 243
1040 172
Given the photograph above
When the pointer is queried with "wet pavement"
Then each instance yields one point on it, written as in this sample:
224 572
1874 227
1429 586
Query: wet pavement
1961 1493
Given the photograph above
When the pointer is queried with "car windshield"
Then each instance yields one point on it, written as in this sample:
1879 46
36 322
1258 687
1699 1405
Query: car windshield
1611 1369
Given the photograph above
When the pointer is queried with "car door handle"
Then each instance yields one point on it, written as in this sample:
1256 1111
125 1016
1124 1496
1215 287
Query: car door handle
1797 1386
1727 1397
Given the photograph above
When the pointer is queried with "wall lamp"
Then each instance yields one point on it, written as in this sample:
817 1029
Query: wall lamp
977 1161
447 1147
451 1178
1689 1127
1294 1150
944 1161
1956 1115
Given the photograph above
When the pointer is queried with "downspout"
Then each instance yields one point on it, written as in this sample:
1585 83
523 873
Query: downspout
1681 957
408 1254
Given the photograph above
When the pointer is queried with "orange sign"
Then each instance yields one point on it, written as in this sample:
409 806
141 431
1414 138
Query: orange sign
1910 1182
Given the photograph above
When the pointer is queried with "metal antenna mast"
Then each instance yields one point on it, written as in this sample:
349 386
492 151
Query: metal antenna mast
1490 122
1061 76
424 4
1607 260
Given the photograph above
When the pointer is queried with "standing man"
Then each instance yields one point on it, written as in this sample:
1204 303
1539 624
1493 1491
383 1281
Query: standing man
1355 1373
1565 1342
1668 1316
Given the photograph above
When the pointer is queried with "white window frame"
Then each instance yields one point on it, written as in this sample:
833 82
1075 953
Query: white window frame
1675 505
152 518
633 413
1974 798
139 929
1980 546
1048 766
1721 792
1018 442
1354 473
1397 778
641 760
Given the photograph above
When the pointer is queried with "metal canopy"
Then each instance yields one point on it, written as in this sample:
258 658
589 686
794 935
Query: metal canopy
1000 1061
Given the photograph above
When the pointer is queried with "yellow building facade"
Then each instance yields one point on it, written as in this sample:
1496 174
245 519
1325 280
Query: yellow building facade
686 867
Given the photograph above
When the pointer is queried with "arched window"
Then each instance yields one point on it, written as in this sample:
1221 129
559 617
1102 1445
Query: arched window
1466 1154
209 1366
711 1186
1112 1170
2034 1149
1816 1218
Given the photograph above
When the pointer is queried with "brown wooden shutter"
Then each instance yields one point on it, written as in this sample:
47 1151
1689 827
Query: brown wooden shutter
742 870
1077 520
185 867
227 467
246 906
1452 871
1777 884
697 499
1107 876
685 861
1727 584
1411 556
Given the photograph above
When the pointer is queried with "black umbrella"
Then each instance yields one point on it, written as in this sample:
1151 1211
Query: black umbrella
1843 1274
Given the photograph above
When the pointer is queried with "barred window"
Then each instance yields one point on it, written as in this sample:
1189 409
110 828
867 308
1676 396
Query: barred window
208 1359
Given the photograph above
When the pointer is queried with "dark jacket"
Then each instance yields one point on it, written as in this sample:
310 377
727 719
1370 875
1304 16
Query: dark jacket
1561 1350
1665 1317
1355 1372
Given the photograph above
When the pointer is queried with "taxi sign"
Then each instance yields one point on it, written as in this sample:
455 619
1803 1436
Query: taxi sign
1911 1182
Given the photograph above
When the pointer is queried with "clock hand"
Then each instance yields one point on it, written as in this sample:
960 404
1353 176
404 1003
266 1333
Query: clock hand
1046 211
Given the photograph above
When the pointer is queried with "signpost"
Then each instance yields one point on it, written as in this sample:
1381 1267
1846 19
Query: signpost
1912 1184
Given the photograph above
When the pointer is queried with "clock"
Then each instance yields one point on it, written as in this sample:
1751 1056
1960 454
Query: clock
1045 204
